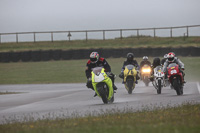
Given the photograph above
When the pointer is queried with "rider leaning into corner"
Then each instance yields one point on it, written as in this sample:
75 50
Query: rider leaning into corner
96 61
171 58
130 61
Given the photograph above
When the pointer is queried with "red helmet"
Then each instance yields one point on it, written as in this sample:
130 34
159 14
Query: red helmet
94 57
171 56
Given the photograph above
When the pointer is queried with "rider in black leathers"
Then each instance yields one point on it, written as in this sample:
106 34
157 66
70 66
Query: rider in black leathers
156 62
130 60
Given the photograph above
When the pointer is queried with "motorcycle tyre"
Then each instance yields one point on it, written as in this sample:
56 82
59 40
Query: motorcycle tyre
102 92
130 86
177 86
159 87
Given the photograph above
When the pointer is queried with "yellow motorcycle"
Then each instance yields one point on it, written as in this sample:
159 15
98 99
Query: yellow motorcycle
102 85
130 78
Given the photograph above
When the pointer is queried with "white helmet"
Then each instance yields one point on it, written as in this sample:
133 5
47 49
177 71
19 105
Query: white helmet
165 56
171 57
145 58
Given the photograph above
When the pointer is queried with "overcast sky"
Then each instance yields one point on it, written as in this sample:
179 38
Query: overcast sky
55 15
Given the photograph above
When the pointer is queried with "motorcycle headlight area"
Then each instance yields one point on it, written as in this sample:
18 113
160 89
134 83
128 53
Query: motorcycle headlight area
99 78
146 70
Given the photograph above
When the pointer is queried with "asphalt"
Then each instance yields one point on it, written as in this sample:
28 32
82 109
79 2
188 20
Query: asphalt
52 101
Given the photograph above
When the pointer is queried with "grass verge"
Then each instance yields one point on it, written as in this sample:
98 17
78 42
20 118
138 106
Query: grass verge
72 71
182 119
132 42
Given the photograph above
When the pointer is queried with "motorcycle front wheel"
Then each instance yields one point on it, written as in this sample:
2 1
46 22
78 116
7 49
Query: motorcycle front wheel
102 88
177 86
159 87
130 86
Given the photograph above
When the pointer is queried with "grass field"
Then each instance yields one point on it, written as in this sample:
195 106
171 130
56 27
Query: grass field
182 119
132 42
72 71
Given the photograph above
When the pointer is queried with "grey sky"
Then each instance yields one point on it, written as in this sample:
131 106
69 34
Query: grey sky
47 15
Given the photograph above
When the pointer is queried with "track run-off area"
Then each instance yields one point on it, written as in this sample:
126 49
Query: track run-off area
41 101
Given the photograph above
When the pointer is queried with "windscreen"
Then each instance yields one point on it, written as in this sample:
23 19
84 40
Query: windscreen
97 70
130 67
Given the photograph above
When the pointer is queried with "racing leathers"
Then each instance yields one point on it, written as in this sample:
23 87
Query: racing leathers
132 62
177 61
142 63
100 63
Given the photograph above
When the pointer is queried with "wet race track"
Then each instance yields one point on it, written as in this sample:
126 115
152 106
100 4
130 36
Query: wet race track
72 100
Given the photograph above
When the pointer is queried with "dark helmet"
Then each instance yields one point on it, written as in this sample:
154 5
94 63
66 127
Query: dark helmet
94 57
156 61
130 56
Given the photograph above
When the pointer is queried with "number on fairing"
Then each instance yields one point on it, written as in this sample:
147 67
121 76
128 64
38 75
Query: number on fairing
173 71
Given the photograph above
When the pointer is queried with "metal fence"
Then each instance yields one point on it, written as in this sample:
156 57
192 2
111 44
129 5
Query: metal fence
185 31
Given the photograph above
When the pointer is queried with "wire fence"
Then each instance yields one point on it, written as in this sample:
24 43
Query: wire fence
179 31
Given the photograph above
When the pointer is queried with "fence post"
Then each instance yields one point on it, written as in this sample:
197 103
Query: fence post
103 34
16 37
138 36
34 37
69 35
51 36
154 30
0 38
187 32
171 32
121 34
86 35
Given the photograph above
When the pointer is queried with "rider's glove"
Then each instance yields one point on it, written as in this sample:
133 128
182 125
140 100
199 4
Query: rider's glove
183 69
108 73
89 79
89 83
121 75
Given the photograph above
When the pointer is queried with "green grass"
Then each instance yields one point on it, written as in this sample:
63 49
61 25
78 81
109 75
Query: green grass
111 43
182 119
72 71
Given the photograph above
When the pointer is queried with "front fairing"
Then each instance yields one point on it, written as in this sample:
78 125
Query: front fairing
145 70
158 72
129 71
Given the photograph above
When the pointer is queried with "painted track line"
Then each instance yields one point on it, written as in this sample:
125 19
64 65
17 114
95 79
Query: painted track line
198 87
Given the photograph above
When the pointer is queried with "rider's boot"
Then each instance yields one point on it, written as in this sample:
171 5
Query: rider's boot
95 94
114 87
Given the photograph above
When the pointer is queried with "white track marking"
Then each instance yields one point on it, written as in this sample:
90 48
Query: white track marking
198 87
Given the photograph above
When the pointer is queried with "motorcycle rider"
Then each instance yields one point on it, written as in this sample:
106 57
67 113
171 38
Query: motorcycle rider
130 61
164 59
171 58
96 61
145 61
156 62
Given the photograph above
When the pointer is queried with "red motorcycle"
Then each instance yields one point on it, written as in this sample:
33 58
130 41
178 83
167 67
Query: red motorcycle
175 77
